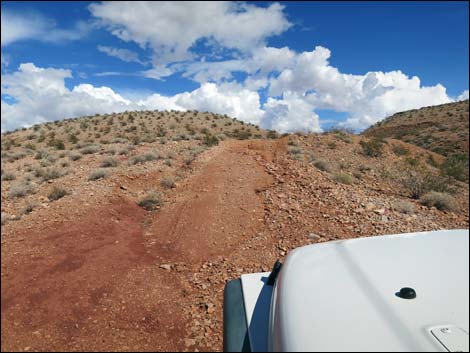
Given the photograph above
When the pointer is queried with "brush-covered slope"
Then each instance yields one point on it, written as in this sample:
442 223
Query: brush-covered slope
442 129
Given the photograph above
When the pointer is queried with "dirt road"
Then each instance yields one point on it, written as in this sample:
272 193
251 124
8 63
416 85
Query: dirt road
120 278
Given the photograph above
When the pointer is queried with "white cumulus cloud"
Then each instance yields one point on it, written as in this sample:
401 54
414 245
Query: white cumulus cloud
230 99
171 28
34 95
367 98
123 54
34 26
463 96
289 114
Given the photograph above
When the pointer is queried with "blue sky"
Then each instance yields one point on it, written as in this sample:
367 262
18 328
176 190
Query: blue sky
287 66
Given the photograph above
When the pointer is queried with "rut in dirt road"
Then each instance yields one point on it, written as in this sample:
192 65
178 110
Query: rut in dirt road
96 283
215 209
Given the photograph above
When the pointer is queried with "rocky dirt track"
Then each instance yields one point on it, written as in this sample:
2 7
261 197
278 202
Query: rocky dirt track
114 277
119 278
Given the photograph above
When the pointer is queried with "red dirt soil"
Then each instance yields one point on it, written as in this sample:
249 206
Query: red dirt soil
95 283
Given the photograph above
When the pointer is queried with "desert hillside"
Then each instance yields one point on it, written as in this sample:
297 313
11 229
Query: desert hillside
120 231
441 128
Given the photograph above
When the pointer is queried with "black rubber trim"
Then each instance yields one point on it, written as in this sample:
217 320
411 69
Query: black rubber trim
274 273
235 328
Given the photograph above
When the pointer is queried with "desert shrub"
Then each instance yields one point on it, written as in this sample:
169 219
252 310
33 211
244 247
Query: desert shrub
457 167
98 174
441 200
49 173
119 140
291 143
57 144
75 156
418 184
373 147
295 150
272 134
90 149
64 163
151 201
168 182
187 160
28 177
44 163
56 193
52 158
322 165
296 153
168 162
8 176
400 150
147 157
343 178
136 160
196 151
135 140
14 156
125 150
30 146
412 162
73 139
403 207
21 189
109 162
151 156
210 140
332 145
343 136
243 135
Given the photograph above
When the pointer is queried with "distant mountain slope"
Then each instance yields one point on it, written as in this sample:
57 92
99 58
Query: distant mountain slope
442 129
132 127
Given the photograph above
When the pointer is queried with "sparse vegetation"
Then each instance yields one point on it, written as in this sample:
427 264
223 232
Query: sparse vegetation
417 184
57 144
322 165
373 147
98 174
8 176
168 182
429 127
75 156
49 173
343 178
21 189
400 150
457 167
109 162
405 207
56 193
210 140
147 157
151 201
442 201
90 149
